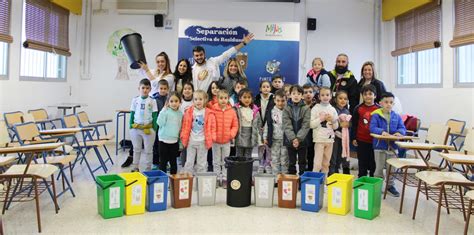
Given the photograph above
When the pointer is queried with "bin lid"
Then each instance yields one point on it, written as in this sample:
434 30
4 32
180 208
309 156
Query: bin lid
181 176
264 176
239 160
288 177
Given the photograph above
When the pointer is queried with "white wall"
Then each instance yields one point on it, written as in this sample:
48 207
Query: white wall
24 95
430 104
342 26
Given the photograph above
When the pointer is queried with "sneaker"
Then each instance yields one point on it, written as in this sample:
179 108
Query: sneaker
135 170
346 171
224 184
127 162
393 191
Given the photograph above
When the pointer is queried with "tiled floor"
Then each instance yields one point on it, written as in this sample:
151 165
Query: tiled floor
79 216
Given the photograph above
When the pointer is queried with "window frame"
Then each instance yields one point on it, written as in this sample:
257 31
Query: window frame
457 83
34 78
7 64
417 84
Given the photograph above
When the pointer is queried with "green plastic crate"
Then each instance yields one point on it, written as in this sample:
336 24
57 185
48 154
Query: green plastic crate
367 197
110 196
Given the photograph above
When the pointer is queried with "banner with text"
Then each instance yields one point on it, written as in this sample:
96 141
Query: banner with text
274 50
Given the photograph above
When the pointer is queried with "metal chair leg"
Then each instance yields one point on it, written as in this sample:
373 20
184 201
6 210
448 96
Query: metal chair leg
38 215
405 173
416 199
466 227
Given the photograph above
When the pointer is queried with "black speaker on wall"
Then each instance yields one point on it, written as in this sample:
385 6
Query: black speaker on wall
159 20
311 24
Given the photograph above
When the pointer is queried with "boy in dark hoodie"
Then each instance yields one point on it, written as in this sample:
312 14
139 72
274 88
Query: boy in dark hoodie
296 118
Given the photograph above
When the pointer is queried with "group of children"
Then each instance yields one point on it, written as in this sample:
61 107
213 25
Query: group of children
289 124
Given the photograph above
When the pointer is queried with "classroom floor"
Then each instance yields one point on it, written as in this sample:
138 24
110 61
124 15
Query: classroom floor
79 216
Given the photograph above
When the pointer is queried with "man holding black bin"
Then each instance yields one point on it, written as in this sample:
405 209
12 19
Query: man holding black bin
206 71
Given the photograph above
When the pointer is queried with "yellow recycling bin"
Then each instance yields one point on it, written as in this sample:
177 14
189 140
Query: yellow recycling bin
339 193
135 192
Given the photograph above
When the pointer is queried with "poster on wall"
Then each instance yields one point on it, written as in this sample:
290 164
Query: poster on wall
274 50
115 49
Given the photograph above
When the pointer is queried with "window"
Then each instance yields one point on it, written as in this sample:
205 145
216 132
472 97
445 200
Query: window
418 51
420 68
463 41
3 60
5 37
45 41
465 65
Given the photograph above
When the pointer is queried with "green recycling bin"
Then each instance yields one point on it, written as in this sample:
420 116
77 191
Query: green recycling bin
110 196
367 197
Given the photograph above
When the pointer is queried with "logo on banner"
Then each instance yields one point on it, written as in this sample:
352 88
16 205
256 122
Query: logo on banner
273 66
215 36
273 30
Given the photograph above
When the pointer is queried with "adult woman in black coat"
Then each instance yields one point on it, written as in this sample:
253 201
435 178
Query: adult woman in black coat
368 77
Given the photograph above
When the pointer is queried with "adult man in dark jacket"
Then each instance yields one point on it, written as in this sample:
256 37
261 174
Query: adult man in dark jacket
343 79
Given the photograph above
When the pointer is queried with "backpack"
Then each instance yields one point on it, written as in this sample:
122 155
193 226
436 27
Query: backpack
411 123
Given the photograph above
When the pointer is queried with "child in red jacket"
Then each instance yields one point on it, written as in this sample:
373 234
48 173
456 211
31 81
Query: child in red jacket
361 131
197 132
227 126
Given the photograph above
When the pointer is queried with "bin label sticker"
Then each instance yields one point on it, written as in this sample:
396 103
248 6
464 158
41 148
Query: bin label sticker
287 190
310 194
336 197
183 190
263 189
137 195
114 197
158 192
207 187
235 184
363 203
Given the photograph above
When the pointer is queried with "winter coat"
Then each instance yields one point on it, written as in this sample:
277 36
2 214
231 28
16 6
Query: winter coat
227 124
378 124
209 127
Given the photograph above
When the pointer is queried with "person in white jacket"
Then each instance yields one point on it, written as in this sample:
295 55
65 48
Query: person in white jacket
206 71
323 122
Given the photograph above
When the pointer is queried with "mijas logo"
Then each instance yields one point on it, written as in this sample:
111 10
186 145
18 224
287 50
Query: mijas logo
273 30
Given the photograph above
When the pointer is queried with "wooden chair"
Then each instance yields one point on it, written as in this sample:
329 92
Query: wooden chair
437 134
11 119
87 143
23 180
28 133
5 161
470 196
84 121
466 148
457 130
446 189
42 118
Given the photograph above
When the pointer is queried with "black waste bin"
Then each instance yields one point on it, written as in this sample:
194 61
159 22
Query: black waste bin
132 43
239 181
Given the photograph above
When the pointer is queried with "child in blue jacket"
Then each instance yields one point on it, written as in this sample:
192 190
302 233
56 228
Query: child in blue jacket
384 121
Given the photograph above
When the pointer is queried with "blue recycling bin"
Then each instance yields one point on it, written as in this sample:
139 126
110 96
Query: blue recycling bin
312 191
157 191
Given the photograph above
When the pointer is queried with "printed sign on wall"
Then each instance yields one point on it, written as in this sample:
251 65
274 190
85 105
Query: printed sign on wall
274 50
